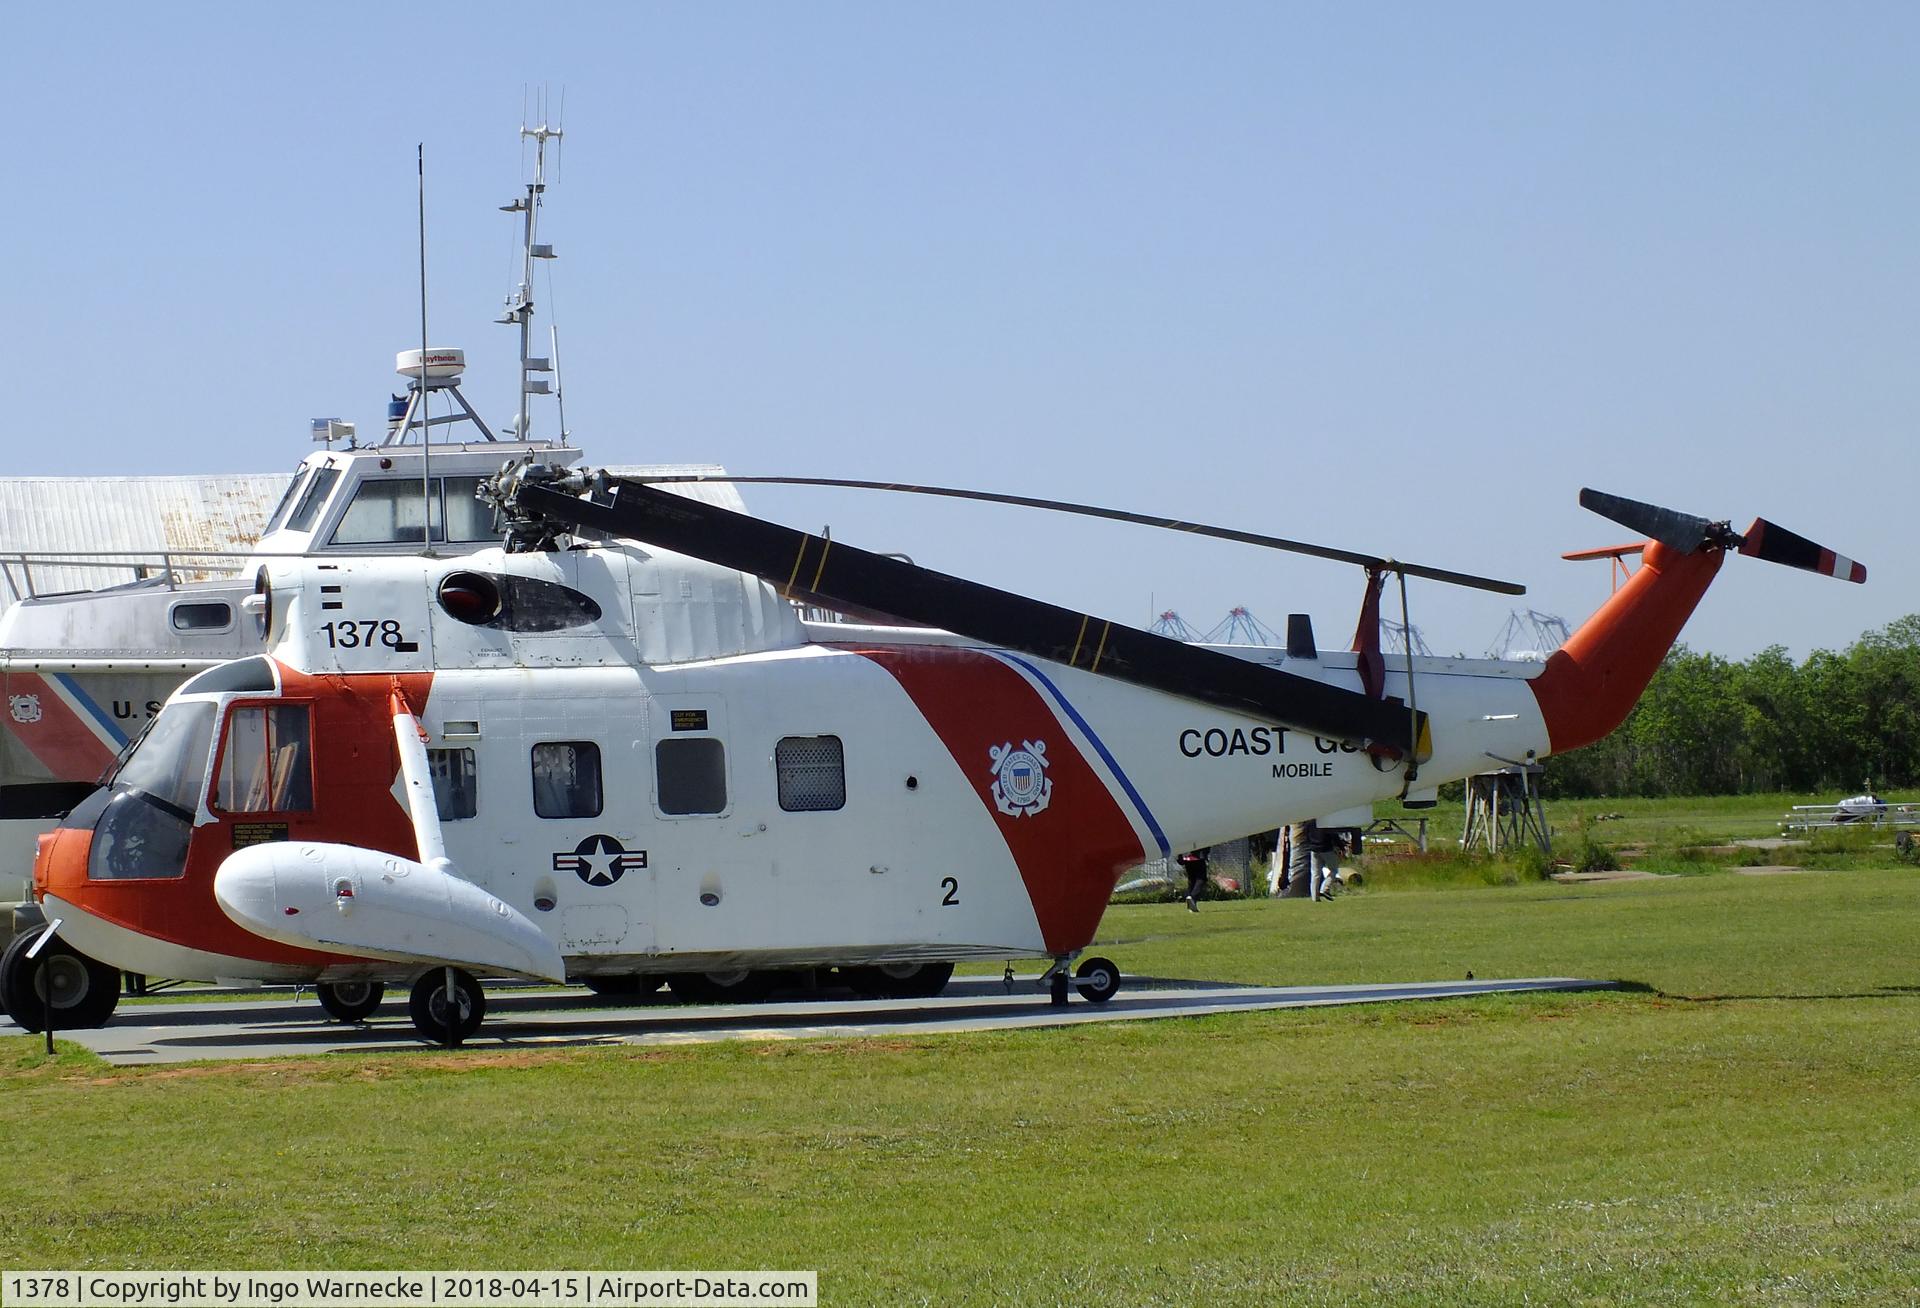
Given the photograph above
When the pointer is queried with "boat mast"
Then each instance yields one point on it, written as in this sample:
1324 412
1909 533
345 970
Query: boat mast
520 304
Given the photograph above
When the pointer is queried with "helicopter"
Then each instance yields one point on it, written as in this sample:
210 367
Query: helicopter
614 750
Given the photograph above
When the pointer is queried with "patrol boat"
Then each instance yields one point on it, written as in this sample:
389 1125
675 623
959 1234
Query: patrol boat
82 671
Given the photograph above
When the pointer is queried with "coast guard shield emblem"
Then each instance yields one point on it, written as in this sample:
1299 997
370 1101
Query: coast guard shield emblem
1021 785
25 708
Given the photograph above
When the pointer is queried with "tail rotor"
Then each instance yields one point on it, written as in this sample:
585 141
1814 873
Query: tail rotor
1690 534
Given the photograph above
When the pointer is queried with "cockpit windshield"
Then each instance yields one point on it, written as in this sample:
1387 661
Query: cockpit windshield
171 762
142 820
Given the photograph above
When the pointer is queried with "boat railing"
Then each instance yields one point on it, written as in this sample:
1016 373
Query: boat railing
170 567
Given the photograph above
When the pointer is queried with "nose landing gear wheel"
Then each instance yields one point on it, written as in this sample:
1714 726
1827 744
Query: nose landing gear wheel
82 991
350 1001
428 1006
1097 980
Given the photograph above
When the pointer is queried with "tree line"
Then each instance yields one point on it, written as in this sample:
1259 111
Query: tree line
1711 726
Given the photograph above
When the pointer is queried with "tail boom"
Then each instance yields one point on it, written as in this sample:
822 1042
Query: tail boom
1591 683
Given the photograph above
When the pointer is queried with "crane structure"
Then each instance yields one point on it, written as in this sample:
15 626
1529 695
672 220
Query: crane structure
1529 635
1240 627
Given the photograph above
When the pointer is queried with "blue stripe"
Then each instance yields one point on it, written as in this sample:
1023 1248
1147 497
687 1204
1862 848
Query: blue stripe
1112 763
86 702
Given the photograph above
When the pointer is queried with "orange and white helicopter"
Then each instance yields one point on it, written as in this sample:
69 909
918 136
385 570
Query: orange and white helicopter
614 750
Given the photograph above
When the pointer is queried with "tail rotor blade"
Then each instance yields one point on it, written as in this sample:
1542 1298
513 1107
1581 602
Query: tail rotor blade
1774 543
1682 531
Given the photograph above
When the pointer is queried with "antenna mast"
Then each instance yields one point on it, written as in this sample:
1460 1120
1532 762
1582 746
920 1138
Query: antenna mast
520 304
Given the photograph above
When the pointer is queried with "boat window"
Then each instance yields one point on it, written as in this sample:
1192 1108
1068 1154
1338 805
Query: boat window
319 486
204 615
456 786
812 773
286 500
566 779
468 518
692 775
388 512
266 766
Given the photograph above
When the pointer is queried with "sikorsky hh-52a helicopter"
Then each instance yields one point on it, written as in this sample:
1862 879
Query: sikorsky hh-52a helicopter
615 750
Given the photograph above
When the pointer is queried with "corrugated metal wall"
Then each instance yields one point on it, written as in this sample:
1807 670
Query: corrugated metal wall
65 516
51 516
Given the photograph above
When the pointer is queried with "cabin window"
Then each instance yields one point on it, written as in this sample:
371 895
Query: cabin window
566 779
204 615
692 774
456 785
812 773
388 512
319 486
266 765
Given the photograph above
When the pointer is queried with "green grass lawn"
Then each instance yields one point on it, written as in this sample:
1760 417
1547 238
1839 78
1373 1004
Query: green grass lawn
1746 1128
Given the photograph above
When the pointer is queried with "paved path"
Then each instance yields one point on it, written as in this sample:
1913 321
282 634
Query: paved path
143 1033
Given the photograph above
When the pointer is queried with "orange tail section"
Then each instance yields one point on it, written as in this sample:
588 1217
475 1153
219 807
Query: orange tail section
1592 682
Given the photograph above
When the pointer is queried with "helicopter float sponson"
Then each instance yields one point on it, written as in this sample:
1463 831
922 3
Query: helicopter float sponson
613 750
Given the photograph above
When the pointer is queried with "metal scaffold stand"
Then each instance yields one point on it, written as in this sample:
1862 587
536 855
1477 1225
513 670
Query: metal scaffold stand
1504 810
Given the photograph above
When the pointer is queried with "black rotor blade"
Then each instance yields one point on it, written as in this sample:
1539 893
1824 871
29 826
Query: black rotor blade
1683 531
1121 515
1774 543
816 570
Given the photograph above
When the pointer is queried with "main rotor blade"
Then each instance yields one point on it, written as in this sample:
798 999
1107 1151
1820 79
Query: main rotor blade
816 570
1121 515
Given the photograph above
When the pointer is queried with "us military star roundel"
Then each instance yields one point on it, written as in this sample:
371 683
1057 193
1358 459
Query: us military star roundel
1021 786
600 860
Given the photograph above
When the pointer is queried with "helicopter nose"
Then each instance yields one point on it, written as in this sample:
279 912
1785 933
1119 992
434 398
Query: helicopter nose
60 863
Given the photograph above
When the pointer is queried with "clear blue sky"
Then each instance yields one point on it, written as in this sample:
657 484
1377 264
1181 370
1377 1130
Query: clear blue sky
1398 277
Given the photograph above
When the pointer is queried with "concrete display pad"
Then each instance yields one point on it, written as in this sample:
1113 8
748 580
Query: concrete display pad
144 1032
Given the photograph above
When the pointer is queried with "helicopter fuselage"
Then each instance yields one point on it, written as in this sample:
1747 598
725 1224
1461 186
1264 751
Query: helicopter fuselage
661 766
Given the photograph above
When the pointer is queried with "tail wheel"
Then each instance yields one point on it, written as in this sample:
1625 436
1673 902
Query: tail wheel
429 1009
736 987
623 985
1097 979
81 991
901 980
350 1001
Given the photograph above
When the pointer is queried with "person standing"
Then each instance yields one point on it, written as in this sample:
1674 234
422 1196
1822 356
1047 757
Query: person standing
1194 864
1326 847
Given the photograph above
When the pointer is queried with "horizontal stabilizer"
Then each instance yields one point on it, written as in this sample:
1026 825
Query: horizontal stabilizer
1681 531
1766 540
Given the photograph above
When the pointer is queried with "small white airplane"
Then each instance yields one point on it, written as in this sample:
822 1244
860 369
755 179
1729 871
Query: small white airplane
614 751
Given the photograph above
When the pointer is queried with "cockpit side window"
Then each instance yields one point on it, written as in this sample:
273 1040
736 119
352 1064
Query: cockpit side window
319 486
266 762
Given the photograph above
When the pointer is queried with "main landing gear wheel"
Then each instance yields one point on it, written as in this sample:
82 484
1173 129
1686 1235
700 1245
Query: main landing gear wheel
901 980
428 1006
350 1001
736 987
83 991
624 985
1098 979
